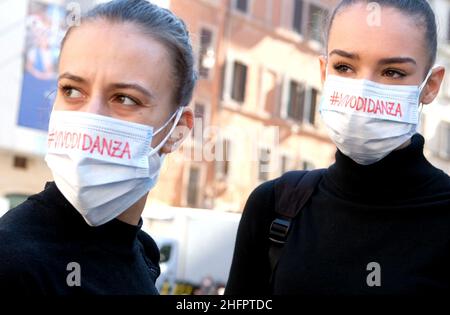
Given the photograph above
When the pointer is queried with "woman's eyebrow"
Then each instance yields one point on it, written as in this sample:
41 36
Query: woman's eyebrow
344 53
133 86
387 61
381 62
69 76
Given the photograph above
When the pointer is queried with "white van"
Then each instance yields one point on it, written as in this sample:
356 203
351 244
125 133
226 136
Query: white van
4 205
195 244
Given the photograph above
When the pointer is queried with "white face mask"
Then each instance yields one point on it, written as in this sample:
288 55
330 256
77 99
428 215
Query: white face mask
103 165
367 120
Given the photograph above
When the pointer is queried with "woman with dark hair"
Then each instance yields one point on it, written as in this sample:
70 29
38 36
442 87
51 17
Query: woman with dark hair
126 75
377 221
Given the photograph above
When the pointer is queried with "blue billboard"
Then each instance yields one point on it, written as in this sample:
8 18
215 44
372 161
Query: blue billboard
45 28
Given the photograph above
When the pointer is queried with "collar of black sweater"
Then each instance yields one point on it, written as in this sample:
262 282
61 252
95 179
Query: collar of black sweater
114 232
400 174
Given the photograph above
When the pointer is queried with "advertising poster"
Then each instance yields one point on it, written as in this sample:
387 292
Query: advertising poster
45 25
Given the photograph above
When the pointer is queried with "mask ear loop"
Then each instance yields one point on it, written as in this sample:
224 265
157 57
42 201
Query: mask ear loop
177 116
424 83
430 72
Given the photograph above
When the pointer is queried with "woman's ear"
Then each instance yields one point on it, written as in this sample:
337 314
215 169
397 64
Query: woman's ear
431 89
180 133
323 68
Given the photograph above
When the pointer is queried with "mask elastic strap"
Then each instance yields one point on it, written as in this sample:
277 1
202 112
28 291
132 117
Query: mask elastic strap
420 110
177 116
423 85
426 79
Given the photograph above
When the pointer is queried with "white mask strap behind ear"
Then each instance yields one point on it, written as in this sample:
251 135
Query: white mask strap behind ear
430 72
177 116
424 83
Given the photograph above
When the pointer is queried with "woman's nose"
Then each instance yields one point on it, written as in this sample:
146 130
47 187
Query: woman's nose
368 74
96 105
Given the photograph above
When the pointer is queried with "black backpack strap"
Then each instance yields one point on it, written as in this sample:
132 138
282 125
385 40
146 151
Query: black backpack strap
292 191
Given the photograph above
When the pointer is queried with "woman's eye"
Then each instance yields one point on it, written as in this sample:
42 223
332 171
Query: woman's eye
125 100
71 92
342 68
394 74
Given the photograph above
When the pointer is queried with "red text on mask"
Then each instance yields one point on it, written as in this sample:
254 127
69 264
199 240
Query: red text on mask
88 143
367 105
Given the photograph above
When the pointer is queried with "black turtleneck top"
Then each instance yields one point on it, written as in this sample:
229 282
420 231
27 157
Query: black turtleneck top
395 213
46 247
